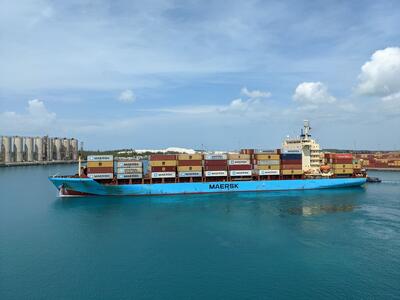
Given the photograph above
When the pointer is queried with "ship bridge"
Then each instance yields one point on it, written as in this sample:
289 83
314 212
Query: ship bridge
310 149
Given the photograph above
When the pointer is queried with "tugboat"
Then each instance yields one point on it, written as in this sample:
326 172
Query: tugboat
373 180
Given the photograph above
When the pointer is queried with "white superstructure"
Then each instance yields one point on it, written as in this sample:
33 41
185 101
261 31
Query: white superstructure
310 149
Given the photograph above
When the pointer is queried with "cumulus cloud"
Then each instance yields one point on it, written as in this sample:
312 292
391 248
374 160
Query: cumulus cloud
255 102
36 120
240 105
254 94
392 98
127 96
313 94
380 75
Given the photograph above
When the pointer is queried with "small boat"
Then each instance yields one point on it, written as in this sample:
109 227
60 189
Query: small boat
373 180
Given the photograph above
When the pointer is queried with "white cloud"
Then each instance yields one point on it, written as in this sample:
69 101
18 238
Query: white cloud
37 109
127 96
312 93
381 75
254 103
392 98
241 106
36 120
391 104
255 93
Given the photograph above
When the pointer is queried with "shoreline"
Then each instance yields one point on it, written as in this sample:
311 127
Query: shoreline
37 163
384 169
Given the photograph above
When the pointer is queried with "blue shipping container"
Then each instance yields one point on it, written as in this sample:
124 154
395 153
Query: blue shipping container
290 156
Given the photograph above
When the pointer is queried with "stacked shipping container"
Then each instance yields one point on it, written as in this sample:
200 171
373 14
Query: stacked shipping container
100 166
291 162
341 163
379 160
190 165
215 165
163 165
128 169
267 163
239 165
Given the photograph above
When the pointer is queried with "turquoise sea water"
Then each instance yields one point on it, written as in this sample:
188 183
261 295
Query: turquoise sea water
327 244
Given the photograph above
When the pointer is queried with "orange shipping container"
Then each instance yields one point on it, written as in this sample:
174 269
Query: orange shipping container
189 168
196 156
236 156
94 164
162 163
292 172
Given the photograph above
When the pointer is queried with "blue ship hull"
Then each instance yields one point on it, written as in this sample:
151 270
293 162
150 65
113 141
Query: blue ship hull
92 187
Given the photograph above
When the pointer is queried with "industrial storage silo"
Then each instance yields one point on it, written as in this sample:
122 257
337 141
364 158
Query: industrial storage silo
74 148
50 148
29 148
1 149
57 148
39 148
18 146
66 148
7 148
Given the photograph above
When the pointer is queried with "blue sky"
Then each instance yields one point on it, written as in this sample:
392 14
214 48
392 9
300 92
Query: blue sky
223 74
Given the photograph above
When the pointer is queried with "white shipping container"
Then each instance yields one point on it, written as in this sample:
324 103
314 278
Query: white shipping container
101 175
100 158
129 176
163 174
129 164
291 151
267 162
215 156
240 173
265 152
129 170
267 172
190 174
239 162
215 173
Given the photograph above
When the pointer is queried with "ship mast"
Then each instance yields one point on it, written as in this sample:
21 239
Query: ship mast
305 132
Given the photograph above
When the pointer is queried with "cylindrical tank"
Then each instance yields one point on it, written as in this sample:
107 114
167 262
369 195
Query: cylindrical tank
66 148
7 148
29 148
74 148
18 146
39 148
50 146
57 148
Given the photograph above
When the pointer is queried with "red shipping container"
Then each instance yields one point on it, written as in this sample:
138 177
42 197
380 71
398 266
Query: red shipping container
100 170
291 167
190 162
239 167
343 156
215 168
216 162
163 169
247 151
342 161
291 162
163 157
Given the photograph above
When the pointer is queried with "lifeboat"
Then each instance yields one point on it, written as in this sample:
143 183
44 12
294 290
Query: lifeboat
325 169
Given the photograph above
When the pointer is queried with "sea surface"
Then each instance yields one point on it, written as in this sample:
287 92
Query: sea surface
326 244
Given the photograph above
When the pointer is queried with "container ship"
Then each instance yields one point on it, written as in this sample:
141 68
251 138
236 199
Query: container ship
298 165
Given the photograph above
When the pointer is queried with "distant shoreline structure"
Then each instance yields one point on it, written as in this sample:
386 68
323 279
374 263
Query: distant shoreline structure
37 163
